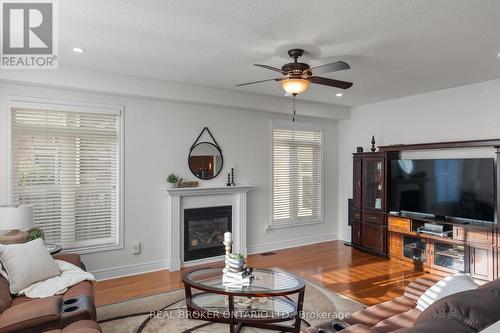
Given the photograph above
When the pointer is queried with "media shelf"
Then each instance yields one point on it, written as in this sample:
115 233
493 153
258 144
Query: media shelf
469 250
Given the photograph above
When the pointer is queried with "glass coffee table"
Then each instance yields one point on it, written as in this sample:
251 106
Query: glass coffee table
268 303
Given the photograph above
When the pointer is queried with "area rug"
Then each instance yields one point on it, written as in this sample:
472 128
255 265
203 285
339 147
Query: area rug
166 312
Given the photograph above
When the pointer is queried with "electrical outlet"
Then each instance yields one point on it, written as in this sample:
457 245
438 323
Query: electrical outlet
136 247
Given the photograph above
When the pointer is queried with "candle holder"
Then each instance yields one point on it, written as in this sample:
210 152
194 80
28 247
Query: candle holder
232 177
228 245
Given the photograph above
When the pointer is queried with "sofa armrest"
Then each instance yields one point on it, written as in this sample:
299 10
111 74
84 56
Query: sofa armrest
32 315
72 258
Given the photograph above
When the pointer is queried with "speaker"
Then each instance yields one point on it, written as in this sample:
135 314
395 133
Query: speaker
349 217
349 211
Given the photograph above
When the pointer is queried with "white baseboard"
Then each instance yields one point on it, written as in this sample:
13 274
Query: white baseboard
152 266
115 272
286 244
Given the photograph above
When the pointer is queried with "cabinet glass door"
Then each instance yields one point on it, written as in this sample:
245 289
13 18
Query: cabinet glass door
450 256
356 188
414 248
373 183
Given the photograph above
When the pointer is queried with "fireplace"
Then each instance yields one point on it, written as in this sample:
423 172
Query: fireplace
204 230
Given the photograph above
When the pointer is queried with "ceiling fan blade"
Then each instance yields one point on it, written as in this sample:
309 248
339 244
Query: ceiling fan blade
271 68
245 84
330 82
328 68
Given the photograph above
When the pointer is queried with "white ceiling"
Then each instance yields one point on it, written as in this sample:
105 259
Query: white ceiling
395 47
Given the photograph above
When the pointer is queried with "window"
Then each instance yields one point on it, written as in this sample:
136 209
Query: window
66 163
297 196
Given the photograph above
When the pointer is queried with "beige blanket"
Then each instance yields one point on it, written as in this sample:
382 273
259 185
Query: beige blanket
70 275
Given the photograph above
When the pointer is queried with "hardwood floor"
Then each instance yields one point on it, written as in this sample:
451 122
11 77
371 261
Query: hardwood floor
360 276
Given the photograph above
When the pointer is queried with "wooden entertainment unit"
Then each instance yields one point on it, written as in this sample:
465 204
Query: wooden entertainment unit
472 248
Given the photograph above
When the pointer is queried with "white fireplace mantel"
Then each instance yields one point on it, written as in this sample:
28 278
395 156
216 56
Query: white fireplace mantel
199 197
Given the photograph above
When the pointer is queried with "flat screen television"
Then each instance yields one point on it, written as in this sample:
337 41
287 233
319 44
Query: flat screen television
459 188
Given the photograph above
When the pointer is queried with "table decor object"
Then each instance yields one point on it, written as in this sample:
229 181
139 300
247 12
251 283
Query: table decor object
35 233
373 148
15 220
172 179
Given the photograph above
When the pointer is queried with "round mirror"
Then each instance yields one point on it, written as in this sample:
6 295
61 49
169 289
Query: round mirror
205 160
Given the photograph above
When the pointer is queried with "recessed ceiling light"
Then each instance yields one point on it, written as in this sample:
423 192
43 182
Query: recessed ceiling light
78 50
339 95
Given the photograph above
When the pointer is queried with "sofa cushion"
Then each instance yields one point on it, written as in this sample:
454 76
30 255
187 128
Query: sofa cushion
32 315
446 286
358 328
402 320
27 264
476 309
437 326
82 326
376 313
416 288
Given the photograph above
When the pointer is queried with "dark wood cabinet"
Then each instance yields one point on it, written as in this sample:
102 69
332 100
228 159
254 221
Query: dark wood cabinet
373 218
474 249
373 238
370 201
356 233
481 262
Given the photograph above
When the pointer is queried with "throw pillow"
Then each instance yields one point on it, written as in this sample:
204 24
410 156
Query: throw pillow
449 285
27 263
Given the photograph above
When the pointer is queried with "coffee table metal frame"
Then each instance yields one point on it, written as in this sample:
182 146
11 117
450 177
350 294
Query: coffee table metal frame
237 323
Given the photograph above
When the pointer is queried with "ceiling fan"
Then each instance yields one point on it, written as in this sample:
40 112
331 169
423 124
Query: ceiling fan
298 75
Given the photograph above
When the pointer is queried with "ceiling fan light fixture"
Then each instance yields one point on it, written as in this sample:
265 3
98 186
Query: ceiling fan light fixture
295 86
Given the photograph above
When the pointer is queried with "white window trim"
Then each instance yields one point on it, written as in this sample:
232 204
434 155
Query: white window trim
69 106
305 126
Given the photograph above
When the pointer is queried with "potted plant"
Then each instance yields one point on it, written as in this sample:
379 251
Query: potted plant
35 233
172 179
236 261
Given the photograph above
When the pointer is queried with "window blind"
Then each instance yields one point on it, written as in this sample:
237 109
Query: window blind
66 164
297 176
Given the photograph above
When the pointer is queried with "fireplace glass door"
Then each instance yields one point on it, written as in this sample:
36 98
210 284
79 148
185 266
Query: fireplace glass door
204 230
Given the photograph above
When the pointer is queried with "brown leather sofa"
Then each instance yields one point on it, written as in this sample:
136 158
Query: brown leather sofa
72 312
466 312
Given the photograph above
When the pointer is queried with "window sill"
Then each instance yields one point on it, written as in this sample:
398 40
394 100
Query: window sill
94 249
291 225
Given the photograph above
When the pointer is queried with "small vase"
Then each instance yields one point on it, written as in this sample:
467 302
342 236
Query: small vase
236 264
172 185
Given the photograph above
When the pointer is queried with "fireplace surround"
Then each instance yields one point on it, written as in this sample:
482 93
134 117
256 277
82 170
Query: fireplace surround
180 200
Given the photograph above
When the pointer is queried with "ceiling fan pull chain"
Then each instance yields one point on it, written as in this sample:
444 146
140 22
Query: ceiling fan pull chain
294 112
